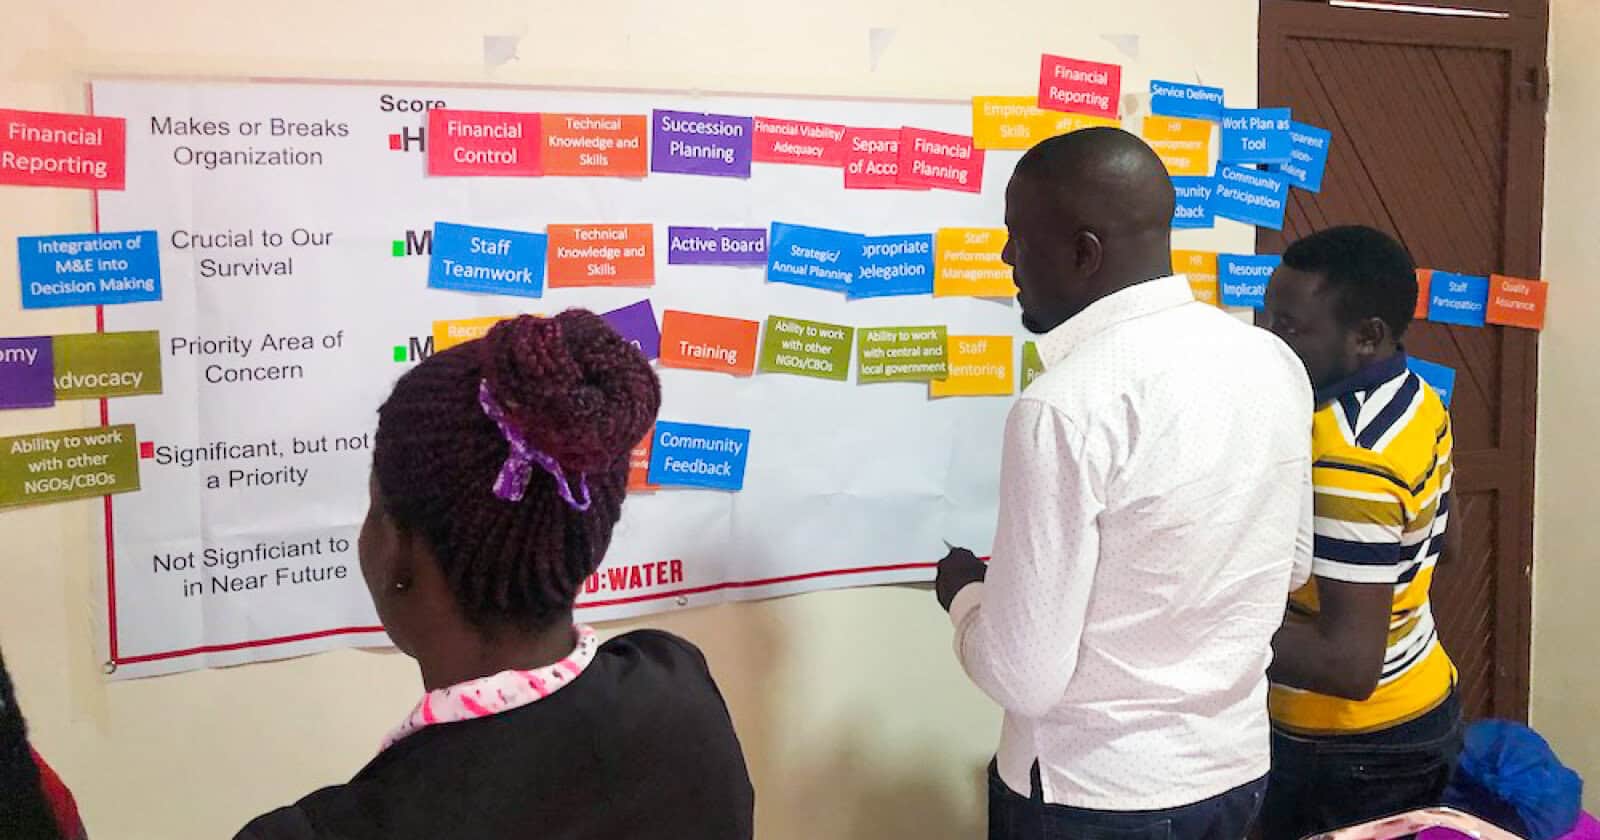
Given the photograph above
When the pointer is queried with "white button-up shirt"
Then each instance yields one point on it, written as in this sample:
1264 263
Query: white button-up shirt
1155 511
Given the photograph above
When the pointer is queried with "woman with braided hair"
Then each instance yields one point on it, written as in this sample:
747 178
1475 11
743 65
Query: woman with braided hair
499 470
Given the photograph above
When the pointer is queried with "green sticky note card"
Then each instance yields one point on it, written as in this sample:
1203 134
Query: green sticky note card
75 464
903 354
807 348
119 364
1032 365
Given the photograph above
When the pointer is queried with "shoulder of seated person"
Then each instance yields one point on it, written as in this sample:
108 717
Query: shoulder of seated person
658 644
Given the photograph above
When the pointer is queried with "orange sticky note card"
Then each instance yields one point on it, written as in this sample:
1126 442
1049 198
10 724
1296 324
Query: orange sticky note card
980 366
600 255
1183 145
1201 269
966 262
595 144
1515 302
1424 281
447 334
639 465
708 342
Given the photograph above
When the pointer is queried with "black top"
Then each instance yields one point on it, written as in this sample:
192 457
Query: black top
640 745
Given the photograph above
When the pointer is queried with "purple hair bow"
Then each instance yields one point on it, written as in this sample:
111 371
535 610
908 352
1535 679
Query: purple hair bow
512 482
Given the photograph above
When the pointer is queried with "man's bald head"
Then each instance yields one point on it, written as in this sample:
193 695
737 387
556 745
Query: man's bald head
1089 213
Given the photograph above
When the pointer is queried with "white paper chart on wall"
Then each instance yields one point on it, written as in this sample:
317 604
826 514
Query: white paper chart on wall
298 226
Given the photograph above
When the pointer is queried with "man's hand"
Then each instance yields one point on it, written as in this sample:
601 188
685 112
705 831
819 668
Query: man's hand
958 568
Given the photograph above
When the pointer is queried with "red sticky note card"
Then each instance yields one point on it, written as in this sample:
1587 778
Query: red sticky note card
42 149
1080 87
483 143
600 255
792 141
872 159
937 159
1515 302
639 465
1424 282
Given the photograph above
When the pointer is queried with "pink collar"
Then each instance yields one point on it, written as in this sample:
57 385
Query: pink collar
497 693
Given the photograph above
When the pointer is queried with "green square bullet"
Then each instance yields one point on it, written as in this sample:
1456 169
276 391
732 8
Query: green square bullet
399 248
399 353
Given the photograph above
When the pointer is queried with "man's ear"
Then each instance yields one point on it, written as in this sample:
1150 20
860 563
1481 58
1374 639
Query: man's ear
1087 252
1370 334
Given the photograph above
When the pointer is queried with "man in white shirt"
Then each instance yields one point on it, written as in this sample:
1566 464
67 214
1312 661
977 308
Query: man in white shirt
1155 505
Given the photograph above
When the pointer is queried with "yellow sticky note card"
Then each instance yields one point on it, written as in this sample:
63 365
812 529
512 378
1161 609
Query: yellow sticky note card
966 262
447 334
1017 122
1183 145
1201 269
980 366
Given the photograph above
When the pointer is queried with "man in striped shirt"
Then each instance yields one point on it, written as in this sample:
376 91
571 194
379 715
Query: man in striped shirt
1363 704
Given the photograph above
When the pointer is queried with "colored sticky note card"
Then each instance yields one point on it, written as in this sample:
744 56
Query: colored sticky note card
903 354
89 269
967 263
483 143
44 149
1082 87
27 372
601 255
1255 135
691 455
938 160
716 246
1193 206
1515 302
1251 196
708 342
487 260
1032 365
894 265
1183 145
1458 299
636 323
447 334
49 467
1424 280
1200 267
872 159
980 365
1440 378
118 364
795 141
1015 122
639 466
1176 99
1244 278
814 257
689 143
1308 156
595 144
807 348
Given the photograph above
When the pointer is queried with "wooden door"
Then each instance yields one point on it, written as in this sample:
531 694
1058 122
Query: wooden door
1438 139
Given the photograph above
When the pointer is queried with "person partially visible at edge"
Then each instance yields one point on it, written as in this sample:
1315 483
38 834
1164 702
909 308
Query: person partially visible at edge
34 803
1365 717
1154 488
499 469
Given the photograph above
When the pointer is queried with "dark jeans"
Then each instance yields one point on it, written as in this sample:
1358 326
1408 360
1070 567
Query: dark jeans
1320 784
1016 817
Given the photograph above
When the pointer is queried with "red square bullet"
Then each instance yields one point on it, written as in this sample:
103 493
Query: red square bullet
395 142
147 450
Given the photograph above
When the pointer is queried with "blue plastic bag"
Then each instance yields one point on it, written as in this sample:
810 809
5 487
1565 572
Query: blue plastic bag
1509 775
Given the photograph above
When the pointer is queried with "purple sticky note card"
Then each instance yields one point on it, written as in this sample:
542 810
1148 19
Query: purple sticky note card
716 246
27 373
700 144
637 324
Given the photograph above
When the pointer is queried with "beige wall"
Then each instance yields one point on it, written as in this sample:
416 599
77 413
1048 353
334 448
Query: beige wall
856 720
1566 577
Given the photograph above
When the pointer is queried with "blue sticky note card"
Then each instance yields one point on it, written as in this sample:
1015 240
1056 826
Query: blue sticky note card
894 265
689 455
487 260
1442 379
1458 299
89 269
1176 99
1255 135
1193 209
1308 156
1242 278
815 257
1250 196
